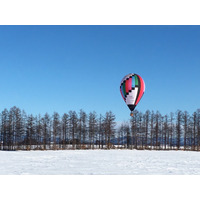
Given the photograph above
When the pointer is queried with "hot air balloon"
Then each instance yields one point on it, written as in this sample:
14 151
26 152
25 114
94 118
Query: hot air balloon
132 88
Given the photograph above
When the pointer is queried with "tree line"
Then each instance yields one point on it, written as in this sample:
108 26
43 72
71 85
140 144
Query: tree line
19 131
81 130
152 130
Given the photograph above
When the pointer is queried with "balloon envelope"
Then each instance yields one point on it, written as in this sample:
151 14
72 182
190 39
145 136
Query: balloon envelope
132 88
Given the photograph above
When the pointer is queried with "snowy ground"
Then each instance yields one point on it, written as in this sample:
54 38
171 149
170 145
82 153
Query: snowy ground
100 162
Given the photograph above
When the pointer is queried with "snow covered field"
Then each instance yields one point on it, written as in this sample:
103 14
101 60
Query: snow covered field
99 162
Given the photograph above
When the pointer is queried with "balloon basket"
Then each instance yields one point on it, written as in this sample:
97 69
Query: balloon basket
131 114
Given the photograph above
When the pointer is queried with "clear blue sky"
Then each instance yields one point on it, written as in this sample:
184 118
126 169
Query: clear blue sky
62 68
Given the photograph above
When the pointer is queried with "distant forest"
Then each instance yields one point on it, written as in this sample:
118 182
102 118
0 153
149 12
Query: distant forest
72 130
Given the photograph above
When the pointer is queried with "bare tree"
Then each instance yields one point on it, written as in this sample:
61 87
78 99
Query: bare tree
185 125
109 125
194 122
178 128
56 129
92 128
166 131
45 128
65 129
4 128
100 131
82 128
152 129
73 125
38 131
146 121
157 128
134 129
30 131
198 129
171 129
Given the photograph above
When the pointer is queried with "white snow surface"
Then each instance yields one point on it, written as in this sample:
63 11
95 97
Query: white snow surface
99 162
